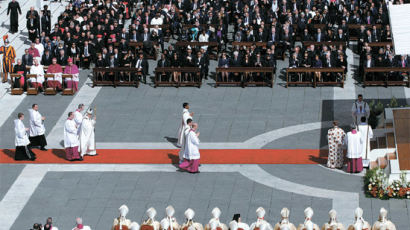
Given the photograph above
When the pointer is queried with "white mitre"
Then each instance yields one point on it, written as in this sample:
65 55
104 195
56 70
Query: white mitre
260 213
308 224
172 222
189 214
284 224
121 220
170 211
383 223
123 210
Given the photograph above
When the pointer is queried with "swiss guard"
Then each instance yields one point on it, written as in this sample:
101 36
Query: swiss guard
9 54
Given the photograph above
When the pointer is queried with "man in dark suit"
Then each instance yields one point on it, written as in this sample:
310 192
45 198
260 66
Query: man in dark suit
62 58
142 65
86 54
329 62
27 59
369 63
46 59
201 63
319 37
163 62
260 35
340 36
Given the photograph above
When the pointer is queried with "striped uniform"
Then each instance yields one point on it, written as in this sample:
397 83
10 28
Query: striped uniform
9 54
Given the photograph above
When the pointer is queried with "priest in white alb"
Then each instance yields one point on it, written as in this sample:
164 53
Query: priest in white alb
71 139
183 129
37 129
23 152
367 133
78 116
87 135
354 143
191 153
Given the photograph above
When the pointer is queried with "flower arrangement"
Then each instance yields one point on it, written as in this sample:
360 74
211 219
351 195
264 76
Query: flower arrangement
377 185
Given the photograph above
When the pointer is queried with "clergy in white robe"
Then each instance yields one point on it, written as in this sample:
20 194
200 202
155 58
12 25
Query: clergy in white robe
260 213
185 131
80 226
367 133
354 143
237 224
359 223
383 223
308 224
38 70
169 222
37 128
190 223
78 116
121 221
284 224
185 116
23 152
87 135
151 223
216 213
71 138
191 153
360 109
333 223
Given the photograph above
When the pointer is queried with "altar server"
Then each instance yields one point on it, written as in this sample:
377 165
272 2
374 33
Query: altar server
335 138
216 213
367 133
122 222
37 129
73 70
354 142
78 116
55 69
190 223
383 223
183 127
71 139
169 222
333 224
151 222
23 152
284 224
360 223
308 224
87 135
360 109
191 153
260 213
38 70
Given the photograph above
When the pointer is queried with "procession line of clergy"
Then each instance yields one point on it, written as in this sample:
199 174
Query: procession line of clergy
79 136
170 223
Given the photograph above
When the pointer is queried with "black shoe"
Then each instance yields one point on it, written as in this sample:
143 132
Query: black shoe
43 149
80 159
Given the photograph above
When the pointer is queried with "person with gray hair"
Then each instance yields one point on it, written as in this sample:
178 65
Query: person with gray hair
79 225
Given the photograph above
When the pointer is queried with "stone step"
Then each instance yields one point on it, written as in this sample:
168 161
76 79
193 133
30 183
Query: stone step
381 142
390 140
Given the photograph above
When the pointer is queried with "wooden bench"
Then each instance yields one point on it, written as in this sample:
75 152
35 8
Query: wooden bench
327 43
246 71
189 26
140 45
161 71
380 44
49 90
314 83
99 72
31 90
16 91
67 91
263 45
386 82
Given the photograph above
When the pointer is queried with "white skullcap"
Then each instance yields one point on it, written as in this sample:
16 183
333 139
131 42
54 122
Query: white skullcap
213 224
170 211
233 225
260 212
123 210
284 213
151 213
308 212
332 214
383 212
189 214
89 111
358 213
135 226
216 212
164 224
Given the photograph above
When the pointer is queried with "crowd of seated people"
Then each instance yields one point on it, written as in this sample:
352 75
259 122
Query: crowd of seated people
94 32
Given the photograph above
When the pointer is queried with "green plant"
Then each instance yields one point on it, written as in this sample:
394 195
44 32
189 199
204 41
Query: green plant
394 103
378 108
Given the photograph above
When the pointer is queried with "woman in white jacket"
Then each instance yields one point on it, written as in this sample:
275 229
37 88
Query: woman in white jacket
21 140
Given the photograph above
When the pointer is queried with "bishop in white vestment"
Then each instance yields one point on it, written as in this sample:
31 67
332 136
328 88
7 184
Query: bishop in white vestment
284 224
87 135
383 223
360 109
191 153
38 70
260 213
359 223
169 222
367 133
308 224
216 213
122 222
71 138
354 143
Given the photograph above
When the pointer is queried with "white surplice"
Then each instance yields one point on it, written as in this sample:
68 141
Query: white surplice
354 144
36 124
39 71
359 110
87 137
21 138
70 134
181 137
192 146
367 134
78 117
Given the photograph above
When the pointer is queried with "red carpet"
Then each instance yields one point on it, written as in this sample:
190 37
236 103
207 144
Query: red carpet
167 156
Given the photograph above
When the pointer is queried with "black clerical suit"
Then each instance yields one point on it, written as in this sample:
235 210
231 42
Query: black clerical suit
14 11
